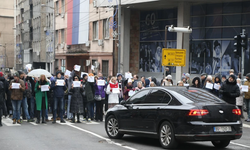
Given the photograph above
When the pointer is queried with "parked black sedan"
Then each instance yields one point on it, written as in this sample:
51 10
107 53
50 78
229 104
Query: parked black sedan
175 114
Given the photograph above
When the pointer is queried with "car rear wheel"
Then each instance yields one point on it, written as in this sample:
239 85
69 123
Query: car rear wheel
221 144
166 136
112 128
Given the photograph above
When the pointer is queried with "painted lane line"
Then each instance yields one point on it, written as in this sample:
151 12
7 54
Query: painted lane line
246 125
101 137
33 123
240 145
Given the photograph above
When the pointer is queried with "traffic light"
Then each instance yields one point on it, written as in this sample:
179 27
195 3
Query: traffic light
244 42
237 45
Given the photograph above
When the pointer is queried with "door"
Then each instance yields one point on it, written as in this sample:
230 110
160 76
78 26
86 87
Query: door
129 117
150 108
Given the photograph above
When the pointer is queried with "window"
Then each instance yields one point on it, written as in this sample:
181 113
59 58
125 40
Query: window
63 65
57 7
63 7
105 68
95 30
62 36
157 96
106 28
138 97
56 38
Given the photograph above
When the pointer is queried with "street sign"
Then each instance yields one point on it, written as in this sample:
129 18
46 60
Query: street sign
173 57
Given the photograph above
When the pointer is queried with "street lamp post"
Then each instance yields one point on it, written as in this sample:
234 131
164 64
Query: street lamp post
50 64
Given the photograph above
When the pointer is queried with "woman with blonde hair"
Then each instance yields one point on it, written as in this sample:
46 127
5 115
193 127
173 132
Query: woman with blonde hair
41 98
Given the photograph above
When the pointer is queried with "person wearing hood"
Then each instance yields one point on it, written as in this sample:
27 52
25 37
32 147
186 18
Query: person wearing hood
58 96
76 105
223 78
168 81
113 96
217 81
209 80
196 82
247 96
127 88
230 90
99 98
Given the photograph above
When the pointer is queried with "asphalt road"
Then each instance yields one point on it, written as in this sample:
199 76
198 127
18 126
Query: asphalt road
89 136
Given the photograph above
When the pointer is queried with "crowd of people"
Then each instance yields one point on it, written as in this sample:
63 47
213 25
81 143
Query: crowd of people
22 96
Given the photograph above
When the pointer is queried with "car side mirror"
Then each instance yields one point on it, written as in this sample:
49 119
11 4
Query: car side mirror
123 102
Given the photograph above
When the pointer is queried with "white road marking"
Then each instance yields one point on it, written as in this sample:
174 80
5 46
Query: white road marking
33 123
246 125
9 122
242 145
99 136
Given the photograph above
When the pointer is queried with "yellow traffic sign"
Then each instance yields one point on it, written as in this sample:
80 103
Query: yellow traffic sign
173 57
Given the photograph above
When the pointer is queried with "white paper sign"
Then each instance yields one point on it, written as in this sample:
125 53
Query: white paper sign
77 68
115 90
15 85
209 86
28 66
44 88
77 83
101 82
82 73
216 86
67 73
131 93
244 88
91 79
128 75
60 82
92 67
186 84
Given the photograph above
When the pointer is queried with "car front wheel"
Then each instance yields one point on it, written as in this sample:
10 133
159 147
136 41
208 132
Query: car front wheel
221 144
166 135
112 128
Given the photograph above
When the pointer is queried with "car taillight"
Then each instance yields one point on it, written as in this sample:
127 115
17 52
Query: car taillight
198 112
237 112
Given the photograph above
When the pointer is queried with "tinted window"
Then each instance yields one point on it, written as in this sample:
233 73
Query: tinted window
138 97
157 96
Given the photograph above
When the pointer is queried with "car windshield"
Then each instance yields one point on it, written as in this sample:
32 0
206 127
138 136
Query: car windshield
197 95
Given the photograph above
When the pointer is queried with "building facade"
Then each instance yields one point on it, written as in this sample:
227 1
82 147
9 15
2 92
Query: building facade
7 35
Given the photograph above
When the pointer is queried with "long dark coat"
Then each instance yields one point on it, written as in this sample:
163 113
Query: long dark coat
76 105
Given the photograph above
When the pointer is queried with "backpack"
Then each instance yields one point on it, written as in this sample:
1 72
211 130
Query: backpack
29 90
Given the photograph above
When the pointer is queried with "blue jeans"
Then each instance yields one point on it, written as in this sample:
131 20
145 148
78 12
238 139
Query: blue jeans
46 114
69 115
59 100
16 106
32 107
25 108
90 107
247 102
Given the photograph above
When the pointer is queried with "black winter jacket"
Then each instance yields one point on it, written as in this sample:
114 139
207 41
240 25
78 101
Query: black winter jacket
229 91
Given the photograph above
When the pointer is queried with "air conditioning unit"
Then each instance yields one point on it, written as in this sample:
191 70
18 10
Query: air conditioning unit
62 15
87 44
95 3
44 29
62 45
100 42
87 62
97 64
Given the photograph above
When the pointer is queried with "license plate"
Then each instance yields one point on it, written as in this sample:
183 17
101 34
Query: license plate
223 129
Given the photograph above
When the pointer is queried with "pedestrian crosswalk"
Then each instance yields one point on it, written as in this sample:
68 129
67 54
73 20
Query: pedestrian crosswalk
8 122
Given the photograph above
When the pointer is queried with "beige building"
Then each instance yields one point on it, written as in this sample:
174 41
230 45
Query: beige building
7 34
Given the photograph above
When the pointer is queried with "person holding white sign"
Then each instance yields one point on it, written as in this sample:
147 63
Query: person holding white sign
17 97
209 85
127 89
58 97
41 98
113 98
217 84
230 90
247 96
76 105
